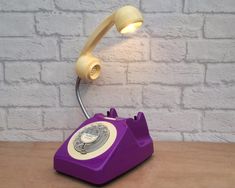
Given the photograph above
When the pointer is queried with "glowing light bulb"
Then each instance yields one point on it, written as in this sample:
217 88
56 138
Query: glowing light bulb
131 27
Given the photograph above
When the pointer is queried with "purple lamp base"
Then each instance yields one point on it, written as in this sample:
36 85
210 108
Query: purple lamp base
132 146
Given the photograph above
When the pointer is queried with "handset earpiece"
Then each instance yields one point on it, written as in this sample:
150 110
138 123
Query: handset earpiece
88 67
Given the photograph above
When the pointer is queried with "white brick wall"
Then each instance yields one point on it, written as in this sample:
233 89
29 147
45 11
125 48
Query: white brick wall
173 25
28 49
161 96
161 6
26 5
219 26
28 95
168 50
209 6
93 5
215 97
209 51
22 71
58 73
165 73
24 119
61 24
220 73
179 68
16 24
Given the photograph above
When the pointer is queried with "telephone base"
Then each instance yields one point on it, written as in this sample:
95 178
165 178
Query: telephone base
128 145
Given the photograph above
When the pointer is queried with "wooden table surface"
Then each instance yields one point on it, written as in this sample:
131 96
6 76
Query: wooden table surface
174 164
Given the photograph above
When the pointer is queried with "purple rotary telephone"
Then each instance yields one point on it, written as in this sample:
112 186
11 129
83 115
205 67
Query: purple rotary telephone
104 147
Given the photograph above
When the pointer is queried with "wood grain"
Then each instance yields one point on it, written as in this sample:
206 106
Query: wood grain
174 164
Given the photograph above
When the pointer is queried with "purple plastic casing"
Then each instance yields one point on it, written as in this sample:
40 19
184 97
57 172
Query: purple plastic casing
132 146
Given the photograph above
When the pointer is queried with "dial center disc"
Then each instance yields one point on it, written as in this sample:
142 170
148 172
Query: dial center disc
88 138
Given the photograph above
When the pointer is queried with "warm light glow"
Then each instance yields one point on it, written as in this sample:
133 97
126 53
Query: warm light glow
131 27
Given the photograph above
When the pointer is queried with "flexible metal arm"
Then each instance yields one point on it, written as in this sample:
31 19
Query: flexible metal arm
90 45
79 98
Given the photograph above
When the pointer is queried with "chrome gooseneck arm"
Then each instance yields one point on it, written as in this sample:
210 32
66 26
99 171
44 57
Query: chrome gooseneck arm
79 98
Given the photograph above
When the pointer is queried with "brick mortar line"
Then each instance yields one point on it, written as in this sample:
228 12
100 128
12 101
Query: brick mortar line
208 13
26 11
202 117
6 118
61 10
38 35
183 6
41 82
4 72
